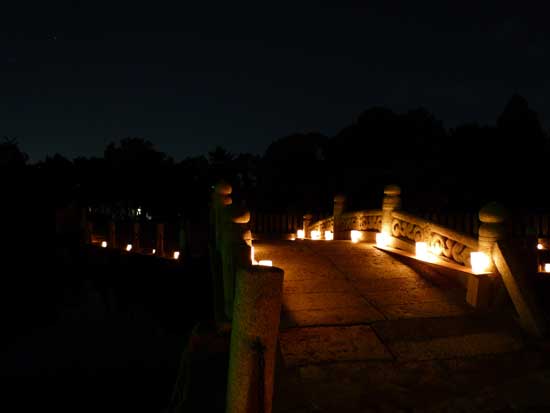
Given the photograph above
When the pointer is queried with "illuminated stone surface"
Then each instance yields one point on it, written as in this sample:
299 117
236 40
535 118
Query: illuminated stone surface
361 331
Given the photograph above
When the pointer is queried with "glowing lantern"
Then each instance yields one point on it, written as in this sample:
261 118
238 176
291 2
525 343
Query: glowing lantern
315 234
129 247
293 237
176 255
436 249
382 239
547 267
540 247
104 244
422 251
480 262
329 236
300 234
355 235
266 263
154 251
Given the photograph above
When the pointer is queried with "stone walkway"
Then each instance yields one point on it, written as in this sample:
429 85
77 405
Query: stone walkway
361 331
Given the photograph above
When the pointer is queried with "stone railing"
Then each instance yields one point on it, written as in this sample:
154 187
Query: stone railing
451 249
442 242
368 220
249 298
323 225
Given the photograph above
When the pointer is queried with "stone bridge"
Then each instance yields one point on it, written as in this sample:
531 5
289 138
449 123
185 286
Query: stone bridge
361 330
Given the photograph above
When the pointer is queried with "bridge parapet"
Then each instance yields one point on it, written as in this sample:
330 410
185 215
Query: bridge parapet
443 242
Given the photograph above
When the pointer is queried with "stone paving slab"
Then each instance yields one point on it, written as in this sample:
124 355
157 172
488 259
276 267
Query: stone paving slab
340 316
404 296
317 286
390 284
422 310
319 301
456 346
311 345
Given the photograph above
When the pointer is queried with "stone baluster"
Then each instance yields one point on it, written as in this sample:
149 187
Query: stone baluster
390 203
338 210
254 332
307 224
159 244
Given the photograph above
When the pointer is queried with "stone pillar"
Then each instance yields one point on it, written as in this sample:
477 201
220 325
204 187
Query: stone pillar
480 286
492 217
111 235
391 202
254 334
338 210
136 236
307 223
235 253
159 244
221 197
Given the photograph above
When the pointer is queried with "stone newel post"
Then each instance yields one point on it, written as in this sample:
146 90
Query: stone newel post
491 229
136 236
307 223
338 210
111 234
391 202
160 240
256 316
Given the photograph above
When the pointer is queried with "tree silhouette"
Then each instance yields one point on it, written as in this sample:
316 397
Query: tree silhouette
10 153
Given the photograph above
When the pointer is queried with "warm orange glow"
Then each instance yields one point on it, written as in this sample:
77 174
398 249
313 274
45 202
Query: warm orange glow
103 244
315 234
422 251
252 254
382 239
480 262
547 267
129 247
300 234
266 263
293 237
540 247
355 235
176 255
329 236
436 249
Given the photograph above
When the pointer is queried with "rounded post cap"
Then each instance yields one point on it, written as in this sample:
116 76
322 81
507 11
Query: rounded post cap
308 216
493 213
240 215
392 190
223 188
339 198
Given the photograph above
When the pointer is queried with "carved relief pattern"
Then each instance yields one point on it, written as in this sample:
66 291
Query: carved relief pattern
403 229
438 244
450 249
361 222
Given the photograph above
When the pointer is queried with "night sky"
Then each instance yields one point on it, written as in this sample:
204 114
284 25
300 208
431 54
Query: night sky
76 76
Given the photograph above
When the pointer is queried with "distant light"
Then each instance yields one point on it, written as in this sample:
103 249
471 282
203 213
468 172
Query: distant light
300 234
329 236
139 211
540 246
355 235
547 267
129 247
480 262
293 237
382 239
252 260
154 251
422 251
176 255
315 234
266 263
103 244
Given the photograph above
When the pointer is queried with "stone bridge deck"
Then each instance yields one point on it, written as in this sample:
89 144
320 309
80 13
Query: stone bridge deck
361 331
